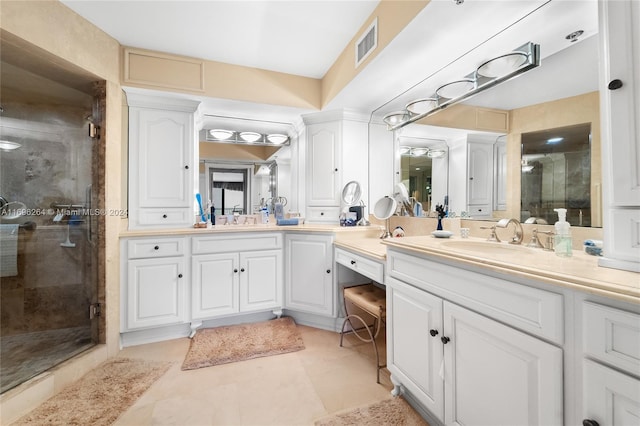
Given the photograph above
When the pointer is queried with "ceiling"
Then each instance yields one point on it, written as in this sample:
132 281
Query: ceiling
295 37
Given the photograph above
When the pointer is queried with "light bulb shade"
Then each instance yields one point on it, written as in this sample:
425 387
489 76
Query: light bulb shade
502 65
405 150
220 134
436 153
420 106
8 146
395 118
250 136
277 138
455 89
418 152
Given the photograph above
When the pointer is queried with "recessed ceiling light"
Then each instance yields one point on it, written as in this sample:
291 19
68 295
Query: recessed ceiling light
573 37
554 140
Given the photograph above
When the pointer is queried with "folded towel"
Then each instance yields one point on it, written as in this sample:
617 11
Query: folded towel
286 222
8 250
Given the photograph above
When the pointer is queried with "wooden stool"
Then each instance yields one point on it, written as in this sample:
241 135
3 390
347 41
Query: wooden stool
372 300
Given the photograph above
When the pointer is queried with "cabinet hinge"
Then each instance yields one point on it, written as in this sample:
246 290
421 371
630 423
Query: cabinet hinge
95 310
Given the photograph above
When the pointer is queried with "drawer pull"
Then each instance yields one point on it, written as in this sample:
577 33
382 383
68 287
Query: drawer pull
156 248
589 422
179 275
433 332
235 271
353 262
164 216
186 167
445 339
328 271
241 269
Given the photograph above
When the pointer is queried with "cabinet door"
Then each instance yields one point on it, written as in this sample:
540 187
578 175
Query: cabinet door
163 141
309 277
156 292
496 375
610 398
260 280
215 288
480 174
500 184
414 348
323 175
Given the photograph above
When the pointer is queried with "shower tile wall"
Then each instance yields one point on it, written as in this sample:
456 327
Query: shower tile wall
53 287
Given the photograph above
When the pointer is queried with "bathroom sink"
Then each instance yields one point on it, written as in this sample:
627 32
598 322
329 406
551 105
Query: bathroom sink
487 247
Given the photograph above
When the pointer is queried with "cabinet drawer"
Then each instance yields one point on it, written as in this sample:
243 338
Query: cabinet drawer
536 311
155 247
612 335
480 211
247 241
323 214
362 265
163 216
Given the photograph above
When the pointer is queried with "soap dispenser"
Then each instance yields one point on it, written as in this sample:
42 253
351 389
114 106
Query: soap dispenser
562 243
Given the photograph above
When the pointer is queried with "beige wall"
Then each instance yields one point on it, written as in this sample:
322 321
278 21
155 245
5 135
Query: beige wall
563 112
227 151
393 16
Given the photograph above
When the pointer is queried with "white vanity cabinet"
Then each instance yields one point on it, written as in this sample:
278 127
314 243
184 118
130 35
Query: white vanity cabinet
448 345
154 290
162 161
235 273
619 35
309 273
334 139
611 367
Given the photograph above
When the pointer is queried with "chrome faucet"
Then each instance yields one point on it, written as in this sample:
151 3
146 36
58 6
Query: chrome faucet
493 236
518 232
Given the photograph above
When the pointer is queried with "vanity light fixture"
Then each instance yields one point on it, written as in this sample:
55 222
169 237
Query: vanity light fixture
221 134
9 146
487 75
420 106
277 138
405 150
436 153
396 118
250 137
418 152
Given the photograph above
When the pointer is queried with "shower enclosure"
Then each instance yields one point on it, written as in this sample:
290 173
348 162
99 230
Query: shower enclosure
50 221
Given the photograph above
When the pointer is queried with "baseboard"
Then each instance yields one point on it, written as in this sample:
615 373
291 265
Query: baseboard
426 414
314 320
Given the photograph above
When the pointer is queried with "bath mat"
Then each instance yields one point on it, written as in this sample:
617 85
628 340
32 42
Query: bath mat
222 345
100 396
390 412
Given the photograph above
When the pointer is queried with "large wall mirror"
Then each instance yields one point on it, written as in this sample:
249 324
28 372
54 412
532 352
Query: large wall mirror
561 93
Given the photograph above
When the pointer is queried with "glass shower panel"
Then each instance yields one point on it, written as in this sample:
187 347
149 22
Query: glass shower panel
48 250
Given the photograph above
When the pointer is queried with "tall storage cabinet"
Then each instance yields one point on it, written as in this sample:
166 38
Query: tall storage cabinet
162 161
333 138
620 105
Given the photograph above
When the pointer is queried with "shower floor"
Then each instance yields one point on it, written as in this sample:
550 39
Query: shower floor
24 356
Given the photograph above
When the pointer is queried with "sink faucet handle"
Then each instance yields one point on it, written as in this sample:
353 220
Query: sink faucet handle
493 236
535 240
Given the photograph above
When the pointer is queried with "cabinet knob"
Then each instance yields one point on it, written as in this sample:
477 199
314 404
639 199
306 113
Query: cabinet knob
235 271
614 84
179 275
589 422
321 213
470 178
445 339
433 332
164 216
241 269
186 167
353 262
328 271
335 170
156 248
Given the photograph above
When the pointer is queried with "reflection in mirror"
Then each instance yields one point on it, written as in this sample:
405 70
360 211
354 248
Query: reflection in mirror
229 190
556 173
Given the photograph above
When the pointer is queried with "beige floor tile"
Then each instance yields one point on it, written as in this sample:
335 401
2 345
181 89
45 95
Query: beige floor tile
289 389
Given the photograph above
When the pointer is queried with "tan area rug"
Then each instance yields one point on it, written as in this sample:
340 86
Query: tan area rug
390 412
100 396
222 345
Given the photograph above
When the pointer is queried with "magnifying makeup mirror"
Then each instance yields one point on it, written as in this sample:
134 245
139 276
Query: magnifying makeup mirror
351 193
383 210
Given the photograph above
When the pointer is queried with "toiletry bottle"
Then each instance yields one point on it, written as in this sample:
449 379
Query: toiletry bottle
213 214
265 215
562 243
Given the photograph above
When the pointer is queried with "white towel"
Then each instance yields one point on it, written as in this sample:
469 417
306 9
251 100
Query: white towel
8 250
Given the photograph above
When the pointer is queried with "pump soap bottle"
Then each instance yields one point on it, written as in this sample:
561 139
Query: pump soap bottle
562 243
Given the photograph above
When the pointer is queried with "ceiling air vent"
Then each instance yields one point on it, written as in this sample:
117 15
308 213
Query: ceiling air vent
367 43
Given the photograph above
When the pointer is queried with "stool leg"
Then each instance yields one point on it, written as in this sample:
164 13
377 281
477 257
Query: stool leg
372 340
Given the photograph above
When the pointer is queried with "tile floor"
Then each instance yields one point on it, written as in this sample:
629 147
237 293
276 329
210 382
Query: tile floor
290 389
